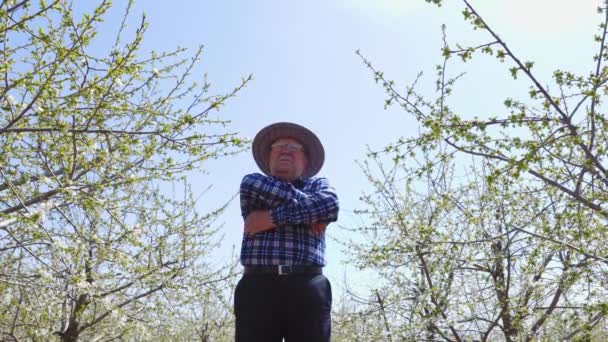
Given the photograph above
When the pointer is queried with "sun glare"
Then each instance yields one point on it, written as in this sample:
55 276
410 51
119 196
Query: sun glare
521 15
547 15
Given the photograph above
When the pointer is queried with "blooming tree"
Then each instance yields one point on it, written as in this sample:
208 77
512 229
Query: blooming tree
92 243
492 228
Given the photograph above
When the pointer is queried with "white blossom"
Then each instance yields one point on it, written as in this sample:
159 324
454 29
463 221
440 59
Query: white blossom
82 285
44 274
119 83
38 109
70 192
114 314
47 181
106 303
137 230
156 72
92 148
7 296
11 100
58 244
46 207
122 320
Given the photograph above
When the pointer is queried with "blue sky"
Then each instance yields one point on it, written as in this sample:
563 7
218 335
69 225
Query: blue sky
301 55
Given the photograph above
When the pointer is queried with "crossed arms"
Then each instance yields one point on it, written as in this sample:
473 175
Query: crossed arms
267 202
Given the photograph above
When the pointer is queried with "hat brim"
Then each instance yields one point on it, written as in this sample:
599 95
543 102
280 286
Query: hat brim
313 148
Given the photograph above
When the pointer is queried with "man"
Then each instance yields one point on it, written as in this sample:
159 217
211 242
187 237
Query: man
283 293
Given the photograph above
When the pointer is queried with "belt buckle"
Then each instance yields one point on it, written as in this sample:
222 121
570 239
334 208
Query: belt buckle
284 269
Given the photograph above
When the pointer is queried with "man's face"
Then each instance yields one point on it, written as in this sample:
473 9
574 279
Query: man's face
287 159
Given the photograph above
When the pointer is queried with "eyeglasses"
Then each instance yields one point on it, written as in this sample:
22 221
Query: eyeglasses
289 147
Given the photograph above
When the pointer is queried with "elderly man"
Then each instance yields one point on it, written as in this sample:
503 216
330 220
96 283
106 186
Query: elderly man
283 292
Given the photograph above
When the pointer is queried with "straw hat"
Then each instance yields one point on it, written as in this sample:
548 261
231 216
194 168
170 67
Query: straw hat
281 130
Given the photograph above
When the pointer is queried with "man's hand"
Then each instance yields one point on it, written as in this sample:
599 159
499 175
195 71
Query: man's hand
318 228
258 221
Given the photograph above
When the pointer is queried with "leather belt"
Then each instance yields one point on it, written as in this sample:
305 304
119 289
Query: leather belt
283 269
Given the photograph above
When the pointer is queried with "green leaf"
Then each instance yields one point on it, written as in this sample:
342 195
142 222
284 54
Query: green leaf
514 72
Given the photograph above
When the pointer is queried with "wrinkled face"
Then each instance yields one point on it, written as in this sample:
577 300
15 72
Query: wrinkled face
287 159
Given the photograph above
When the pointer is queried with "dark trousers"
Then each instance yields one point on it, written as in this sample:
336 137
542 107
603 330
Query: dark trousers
269 308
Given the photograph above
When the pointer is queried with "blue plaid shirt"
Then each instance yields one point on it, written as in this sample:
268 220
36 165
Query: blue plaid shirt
294 207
